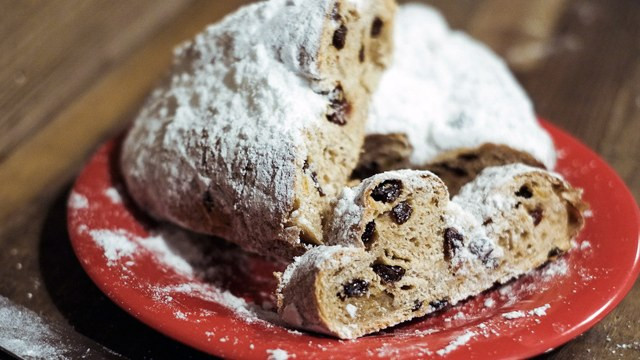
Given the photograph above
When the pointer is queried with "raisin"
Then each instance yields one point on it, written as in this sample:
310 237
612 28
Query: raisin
354 288
439 304
368 233
487 222
361 54
536 214
207 201
457 171
389 273
482 249
554 252
468 157
452 242
340 37
387 191
366 170
401 213
524 192
376 27
314 177
417 304
339 107
335 13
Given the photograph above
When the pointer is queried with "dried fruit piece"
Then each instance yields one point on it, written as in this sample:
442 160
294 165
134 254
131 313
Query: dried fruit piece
368 233
482 249
457 171
468 156
387 191
340 37
314 177
439 304
376 27
554 252
417 305
354 288
388 273
361 54
536 214
207 201
339 107
401 213
452 242
524 192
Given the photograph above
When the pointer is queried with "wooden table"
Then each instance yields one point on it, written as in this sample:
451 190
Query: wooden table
73 71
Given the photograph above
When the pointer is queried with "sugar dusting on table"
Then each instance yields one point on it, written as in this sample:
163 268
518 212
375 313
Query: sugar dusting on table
25 334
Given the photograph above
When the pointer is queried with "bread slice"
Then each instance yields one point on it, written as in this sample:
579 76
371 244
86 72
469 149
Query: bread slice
260 122
402 249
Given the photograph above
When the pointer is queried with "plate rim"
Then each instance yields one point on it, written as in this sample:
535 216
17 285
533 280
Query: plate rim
613 301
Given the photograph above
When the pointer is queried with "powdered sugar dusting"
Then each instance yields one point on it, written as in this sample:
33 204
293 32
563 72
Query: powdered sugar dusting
78 201
23 333
113 194
539 311
240 98
457 342
277 354
116 244
514 315
456 93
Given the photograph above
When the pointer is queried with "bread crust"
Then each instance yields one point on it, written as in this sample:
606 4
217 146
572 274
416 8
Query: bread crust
259 123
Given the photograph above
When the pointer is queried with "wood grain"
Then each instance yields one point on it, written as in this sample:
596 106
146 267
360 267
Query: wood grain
73 72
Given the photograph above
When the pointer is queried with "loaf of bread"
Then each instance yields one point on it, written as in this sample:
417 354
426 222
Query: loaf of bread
445 94
260 122
401 249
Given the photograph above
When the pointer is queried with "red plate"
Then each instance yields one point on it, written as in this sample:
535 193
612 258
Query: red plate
200 301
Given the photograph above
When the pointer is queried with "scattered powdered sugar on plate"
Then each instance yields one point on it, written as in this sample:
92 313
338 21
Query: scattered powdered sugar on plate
277 354
187 255
113 194
78 201
116 244
539 311
514 314
25 334
489 303
457 342
555 268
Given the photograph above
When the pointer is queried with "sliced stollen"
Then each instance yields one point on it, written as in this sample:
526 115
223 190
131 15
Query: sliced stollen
401 249
260 122
445 94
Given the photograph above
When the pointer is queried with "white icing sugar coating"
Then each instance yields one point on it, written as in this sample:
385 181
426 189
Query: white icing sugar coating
446 91
313 259
230 119
480 197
